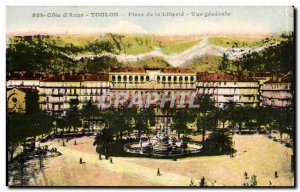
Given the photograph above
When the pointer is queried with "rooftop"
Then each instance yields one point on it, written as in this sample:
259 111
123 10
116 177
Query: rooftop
209 77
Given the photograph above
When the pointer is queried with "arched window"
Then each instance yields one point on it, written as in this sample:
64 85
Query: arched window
169 78
142 78
164 78
119 78
147 78
180 79
186 78
158 78
113 78
136 78
125 78
192 78
175 79
130 78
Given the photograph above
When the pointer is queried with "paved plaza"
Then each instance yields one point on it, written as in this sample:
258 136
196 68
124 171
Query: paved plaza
256 154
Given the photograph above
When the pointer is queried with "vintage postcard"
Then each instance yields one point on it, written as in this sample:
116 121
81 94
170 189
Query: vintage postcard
150 96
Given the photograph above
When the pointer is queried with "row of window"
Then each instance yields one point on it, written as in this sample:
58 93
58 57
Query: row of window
147 78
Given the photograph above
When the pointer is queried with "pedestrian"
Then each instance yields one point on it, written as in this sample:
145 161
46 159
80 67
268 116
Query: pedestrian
202 182
192 183
158 172
270 183
213 183
246 175
80 160
276 174
111 160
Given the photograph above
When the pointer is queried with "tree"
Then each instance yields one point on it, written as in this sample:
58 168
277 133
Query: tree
99 46
15 133
221 138
102 140
207 121
37 124
224 63
206 115
263 116
180 119
101 64
62 123
32 102
36 53
280 121
142 118
90 111
277 58
73 115
227 113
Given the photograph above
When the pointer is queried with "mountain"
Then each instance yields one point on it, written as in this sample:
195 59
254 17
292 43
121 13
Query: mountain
186 53
99 52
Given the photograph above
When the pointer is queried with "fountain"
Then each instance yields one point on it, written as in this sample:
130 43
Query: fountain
163 145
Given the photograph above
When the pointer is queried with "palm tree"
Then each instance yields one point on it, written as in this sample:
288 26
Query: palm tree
102 140
119 121
221 138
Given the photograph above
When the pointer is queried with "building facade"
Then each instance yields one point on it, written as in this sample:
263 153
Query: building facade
277 92
223 88
169 82
56 92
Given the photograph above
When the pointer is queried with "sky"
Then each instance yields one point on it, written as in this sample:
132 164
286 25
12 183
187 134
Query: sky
238 20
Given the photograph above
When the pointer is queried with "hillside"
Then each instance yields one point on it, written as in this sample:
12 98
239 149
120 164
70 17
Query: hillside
97 52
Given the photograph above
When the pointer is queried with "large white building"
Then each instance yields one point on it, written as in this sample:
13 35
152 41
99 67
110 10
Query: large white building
277 92
57 91
162 81
223 88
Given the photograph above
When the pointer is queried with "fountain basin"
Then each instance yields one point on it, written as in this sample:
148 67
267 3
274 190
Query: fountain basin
175 150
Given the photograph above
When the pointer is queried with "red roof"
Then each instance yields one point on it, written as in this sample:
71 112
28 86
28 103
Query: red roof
78 77
176 70
214 77
143 70
280 78
129 69
25 75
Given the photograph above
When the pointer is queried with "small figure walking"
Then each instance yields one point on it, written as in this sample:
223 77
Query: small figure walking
246 175
158 172
192 183
202 182
213 183
80 160
270 183
276 174
111 160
